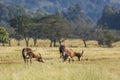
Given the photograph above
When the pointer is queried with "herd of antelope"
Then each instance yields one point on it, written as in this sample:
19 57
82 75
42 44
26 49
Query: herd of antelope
65 53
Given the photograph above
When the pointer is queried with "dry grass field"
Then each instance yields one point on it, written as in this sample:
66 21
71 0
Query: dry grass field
96 63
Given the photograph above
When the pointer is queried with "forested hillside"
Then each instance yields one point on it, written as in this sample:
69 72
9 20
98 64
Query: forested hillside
9 12
58 20
93 8
110 18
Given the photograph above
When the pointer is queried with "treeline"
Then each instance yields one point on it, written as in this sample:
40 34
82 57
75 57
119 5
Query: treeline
93 8
58 27
8 12
110 18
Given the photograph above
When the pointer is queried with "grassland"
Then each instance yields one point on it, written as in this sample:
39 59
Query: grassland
96 63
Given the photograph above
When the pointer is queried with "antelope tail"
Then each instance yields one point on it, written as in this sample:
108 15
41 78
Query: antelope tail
82 52
39 54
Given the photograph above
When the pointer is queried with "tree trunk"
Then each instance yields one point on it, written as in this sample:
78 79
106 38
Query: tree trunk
54 43
26 39
3 44
9 42
18 43
84 41
60 42
27 42
51 44
35 42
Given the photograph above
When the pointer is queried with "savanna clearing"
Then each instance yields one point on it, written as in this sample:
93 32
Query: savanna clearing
96 63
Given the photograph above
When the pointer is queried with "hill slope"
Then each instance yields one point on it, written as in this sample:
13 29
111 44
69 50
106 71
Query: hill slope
93 8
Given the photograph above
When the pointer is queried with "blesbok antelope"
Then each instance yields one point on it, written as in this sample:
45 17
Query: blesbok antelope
69 53
27 54
61 50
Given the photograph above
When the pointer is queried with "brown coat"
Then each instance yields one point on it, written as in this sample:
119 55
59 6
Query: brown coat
27 53
69 53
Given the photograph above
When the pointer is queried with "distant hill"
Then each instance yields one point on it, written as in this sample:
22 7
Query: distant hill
93 8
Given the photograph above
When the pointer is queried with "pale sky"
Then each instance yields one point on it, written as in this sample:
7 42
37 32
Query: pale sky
115 1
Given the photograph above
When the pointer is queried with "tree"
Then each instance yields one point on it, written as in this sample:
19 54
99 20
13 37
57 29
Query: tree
8 12
18 38
55 28
85 33
109 23
110 18
4 36
11 34
83 24
21 24
37 32
106 37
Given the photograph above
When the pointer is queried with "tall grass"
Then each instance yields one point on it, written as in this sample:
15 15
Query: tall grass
96 63
56 71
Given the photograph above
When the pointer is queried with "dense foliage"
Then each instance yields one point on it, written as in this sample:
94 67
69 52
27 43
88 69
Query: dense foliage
110 18
61 21
4 36
9 12
93 8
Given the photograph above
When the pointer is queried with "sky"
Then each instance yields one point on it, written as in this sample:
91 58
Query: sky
115 1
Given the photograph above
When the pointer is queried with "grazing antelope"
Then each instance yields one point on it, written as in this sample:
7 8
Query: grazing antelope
69 53
27 53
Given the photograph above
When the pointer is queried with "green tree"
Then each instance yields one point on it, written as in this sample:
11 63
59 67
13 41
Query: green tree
21 24
110 18
83 24
8 12
55 28
37 32
11 34
4 36
106 37
109 23
18 38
